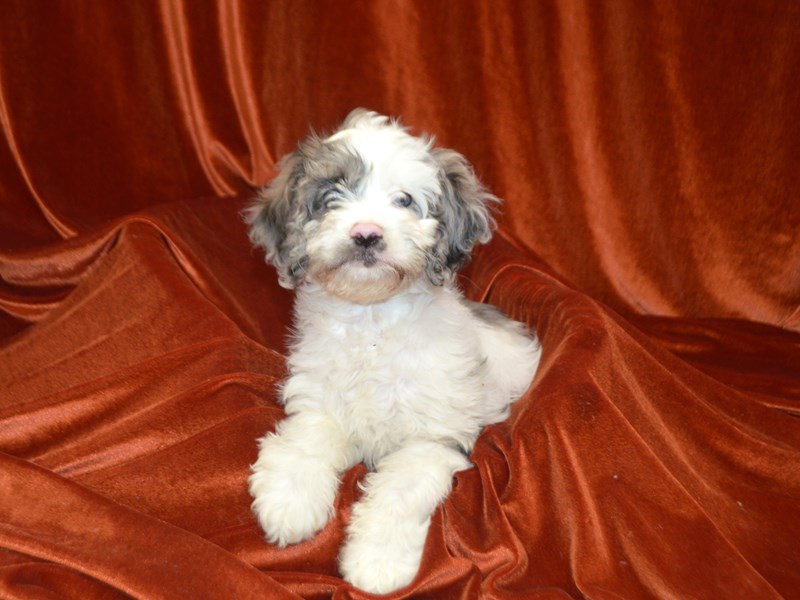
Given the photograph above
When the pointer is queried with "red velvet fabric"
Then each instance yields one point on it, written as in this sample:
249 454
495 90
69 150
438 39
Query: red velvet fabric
649 159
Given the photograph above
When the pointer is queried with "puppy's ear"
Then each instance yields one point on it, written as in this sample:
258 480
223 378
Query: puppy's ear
463 212
276 220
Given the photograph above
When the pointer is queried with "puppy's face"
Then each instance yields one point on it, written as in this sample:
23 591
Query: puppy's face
370 229
369 210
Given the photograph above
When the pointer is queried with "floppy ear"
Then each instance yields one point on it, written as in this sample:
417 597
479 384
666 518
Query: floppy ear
276 220
463 214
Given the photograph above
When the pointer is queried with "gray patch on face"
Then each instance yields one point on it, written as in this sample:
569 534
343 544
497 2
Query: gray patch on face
333 174
463 214
310 182
275 224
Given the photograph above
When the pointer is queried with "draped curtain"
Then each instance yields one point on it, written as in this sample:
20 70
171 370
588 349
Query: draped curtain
648 157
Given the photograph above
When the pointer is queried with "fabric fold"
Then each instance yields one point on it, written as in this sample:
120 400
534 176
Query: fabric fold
646 155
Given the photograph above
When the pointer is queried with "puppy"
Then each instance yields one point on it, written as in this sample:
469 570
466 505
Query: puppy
389 363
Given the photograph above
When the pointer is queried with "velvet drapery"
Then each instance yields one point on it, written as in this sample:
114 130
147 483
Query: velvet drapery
648 155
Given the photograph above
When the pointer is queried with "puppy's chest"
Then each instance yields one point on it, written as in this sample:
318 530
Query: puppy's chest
387 383
367 355
373 370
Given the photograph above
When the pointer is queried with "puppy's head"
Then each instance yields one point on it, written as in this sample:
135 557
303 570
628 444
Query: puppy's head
368 210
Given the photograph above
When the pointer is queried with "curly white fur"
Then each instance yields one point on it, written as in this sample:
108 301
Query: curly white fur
389 364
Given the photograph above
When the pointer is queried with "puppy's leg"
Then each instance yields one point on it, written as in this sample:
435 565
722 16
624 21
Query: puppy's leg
388 526
296 476
512 353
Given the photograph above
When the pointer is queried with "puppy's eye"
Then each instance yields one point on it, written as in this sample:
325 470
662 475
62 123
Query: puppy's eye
329 198
403 200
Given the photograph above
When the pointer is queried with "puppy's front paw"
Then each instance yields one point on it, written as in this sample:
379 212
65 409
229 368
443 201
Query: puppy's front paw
293 496
378 568
382 553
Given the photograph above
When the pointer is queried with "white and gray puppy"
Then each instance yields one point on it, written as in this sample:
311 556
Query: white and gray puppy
389 363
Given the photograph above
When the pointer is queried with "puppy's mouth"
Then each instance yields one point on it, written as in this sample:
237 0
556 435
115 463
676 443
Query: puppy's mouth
363 276
370 260
371 257
374 260
366 256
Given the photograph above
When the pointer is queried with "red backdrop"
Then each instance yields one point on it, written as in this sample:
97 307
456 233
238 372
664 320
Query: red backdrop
648 155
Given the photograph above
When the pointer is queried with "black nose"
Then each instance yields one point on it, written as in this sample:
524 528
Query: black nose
366 240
